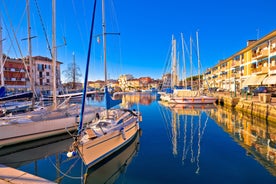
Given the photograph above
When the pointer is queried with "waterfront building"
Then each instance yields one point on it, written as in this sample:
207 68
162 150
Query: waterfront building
43 74
15 76
250 67
145 82
17 73
72 86
123 81
99 84
166 81
133 84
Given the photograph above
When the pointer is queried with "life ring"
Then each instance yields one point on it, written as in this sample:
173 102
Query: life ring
193 99
202 99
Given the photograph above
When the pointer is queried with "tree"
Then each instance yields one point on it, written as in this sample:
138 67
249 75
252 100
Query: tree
73 73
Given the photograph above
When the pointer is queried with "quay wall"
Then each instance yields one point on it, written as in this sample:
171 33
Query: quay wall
256 106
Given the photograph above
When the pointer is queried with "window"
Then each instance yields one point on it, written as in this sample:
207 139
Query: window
39 67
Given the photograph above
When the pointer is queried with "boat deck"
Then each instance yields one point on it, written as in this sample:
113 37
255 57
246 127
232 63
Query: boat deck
10 175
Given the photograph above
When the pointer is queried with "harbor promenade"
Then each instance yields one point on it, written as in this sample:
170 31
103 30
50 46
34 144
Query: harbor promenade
10 175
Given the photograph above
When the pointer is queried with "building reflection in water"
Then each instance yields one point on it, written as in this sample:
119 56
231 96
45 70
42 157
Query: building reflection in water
130 99
186 125
256 136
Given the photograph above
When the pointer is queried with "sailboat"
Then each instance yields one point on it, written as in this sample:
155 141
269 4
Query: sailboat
44 121
113 128
115 166
187 96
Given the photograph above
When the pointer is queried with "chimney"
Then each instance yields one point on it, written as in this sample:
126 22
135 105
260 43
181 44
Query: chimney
250 42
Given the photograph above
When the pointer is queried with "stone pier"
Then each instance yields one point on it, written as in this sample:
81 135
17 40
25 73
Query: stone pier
258 106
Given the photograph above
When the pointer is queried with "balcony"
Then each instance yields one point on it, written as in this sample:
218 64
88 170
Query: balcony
272 50
257 70
273 68
260 70
260 54
236 75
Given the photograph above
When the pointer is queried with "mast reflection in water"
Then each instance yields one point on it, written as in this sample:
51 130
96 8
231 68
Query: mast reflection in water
186 126
180 144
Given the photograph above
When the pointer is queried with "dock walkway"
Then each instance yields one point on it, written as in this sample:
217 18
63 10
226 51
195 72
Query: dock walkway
10 175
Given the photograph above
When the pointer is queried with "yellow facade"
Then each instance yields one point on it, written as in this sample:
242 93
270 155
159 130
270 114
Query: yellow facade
248 67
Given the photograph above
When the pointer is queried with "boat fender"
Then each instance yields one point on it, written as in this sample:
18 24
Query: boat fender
123 133
71 154
137 124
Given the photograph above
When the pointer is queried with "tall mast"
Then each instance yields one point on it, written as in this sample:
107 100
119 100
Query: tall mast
104 53
198 60
31 62
174 68
1 55
104 41
184 61
54 53
191 62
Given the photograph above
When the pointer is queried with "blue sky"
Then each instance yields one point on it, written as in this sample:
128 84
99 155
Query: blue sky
146 28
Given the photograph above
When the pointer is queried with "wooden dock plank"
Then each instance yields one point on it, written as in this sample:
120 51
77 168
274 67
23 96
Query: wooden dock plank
10 175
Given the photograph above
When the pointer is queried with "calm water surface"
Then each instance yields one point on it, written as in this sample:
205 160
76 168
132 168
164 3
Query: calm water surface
175 145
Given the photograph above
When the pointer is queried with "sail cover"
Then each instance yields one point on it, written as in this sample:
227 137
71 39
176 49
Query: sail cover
109 101
2 91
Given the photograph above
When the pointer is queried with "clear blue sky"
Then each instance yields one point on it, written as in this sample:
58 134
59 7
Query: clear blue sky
146 28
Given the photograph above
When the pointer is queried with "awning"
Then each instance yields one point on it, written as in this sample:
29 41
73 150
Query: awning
254 80
270 80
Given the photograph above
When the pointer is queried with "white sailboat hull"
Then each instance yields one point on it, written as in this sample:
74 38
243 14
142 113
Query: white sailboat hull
38 125
110 171
95 150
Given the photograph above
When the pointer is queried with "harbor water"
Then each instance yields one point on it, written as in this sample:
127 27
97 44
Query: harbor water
176 144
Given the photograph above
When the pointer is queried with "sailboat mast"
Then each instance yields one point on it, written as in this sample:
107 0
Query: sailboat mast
198 60
104 41
54 52
1 54
191 62
104 52
86 70
31 62
174 68
184 61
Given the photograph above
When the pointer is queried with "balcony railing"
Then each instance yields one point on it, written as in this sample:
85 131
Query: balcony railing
260 54
272 50
272 68
256 70
260 70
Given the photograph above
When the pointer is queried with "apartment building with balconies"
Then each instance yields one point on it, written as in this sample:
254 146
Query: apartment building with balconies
17 73
252 66
43 74
14 74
